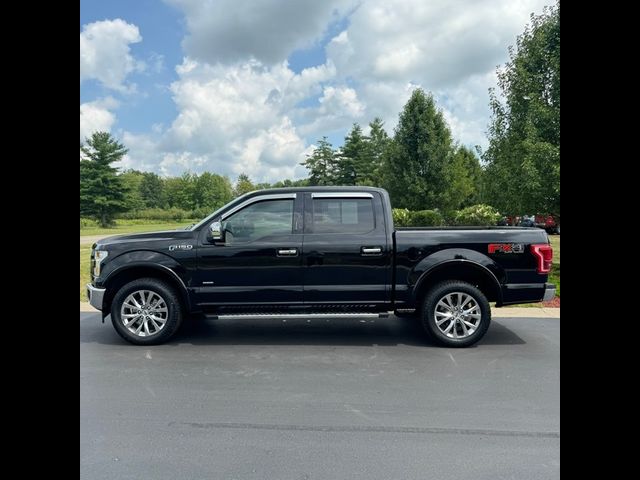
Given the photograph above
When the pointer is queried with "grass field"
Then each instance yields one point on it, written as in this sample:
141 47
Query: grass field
134 226
555 243
128 226
85 252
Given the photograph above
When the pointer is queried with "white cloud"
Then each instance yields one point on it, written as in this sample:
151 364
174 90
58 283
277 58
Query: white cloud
337 107
105 54
97 116
448 47
237 118
242 109
232 30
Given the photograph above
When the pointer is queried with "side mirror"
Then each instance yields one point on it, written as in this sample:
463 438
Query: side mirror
216 231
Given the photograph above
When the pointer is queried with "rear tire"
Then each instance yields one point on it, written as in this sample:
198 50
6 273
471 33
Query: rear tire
146 311
456 314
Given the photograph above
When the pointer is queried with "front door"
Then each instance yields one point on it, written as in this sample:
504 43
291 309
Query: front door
259 263
347 258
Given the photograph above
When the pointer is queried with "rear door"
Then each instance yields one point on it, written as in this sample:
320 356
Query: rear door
346 257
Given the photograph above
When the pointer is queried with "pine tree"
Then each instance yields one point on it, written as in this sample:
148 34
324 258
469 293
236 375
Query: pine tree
321 164
102 192
416 169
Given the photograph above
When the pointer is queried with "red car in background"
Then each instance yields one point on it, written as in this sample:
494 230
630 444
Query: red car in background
549 223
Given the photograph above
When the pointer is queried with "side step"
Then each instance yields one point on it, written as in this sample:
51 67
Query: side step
303 316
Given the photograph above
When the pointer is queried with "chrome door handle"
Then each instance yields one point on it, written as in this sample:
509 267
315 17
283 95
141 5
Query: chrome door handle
371 250
287 252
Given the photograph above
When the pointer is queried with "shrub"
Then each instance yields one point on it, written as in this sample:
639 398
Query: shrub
201 213
425 218
175 214
87 222
401 217
477 215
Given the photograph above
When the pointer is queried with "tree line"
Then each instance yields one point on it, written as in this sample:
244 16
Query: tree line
420 165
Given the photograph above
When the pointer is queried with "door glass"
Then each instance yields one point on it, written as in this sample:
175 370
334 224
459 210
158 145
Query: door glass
259 220
342 215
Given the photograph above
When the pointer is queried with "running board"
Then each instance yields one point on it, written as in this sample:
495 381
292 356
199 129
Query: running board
303 316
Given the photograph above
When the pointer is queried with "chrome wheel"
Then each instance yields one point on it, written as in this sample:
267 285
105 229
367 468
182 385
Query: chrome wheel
144 313
457 315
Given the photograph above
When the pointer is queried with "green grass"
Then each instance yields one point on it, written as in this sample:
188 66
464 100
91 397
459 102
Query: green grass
555 243
136 226
85 253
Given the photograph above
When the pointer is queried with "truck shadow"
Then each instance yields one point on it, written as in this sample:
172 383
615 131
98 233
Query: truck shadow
273 331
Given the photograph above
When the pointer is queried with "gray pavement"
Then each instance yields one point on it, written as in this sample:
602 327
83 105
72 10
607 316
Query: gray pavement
324 399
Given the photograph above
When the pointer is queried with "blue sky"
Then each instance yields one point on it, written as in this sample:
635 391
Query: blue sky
234 86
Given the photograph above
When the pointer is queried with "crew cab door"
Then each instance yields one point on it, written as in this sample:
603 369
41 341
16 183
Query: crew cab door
347 258
260 260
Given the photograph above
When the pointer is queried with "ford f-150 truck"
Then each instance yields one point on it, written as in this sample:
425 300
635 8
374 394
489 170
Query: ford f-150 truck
317 251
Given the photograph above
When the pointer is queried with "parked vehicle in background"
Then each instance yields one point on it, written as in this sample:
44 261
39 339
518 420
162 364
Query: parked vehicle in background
527 221
317 251
548 222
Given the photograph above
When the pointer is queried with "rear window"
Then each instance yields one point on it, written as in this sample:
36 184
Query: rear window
342 215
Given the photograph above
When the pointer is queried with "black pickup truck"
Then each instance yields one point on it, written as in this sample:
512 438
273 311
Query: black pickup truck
317 251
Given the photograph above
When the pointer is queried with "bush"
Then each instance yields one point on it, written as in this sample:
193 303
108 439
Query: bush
426 218
401 217
174 214
201 213
87 223
477 215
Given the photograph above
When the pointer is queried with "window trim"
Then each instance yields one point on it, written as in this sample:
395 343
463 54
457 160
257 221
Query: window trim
341 195
250 201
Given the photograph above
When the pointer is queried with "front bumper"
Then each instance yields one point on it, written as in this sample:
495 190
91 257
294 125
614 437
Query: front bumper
95 296
549 292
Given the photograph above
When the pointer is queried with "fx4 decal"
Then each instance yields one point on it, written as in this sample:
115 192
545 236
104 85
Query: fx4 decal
506 248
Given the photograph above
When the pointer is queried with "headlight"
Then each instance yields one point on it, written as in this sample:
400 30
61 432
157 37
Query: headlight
100 255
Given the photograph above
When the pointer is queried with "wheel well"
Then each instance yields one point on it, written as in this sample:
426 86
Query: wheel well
475 275
123 277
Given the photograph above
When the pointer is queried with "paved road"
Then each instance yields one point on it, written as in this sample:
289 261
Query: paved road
338 399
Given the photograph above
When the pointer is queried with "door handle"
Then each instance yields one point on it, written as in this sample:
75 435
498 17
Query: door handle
371 250
287 252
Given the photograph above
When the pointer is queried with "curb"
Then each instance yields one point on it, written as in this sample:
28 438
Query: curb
506 312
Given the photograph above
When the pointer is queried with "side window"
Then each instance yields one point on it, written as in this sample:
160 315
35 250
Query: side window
258 220
342 215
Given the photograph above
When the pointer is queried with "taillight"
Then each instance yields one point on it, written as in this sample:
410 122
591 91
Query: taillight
544 255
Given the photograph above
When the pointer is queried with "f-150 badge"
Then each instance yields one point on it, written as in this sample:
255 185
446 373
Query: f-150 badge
180 247
506 248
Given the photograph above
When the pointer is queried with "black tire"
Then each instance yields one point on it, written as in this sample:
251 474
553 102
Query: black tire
438 293
168 295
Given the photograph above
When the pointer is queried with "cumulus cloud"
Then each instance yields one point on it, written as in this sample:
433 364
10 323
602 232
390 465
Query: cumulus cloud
105 54
241 108
448 47
97 116
232 30
237 118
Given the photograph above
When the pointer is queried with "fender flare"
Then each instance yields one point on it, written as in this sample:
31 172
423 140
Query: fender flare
436 267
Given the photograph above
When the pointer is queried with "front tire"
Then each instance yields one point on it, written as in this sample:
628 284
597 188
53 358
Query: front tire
456 314
146 311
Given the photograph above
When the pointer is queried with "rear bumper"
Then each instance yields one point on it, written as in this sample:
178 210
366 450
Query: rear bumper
96 295
513 293
549 292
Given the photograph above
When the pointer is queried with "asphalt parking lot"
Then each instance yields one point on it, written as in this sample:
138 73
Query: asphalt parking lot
320 399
